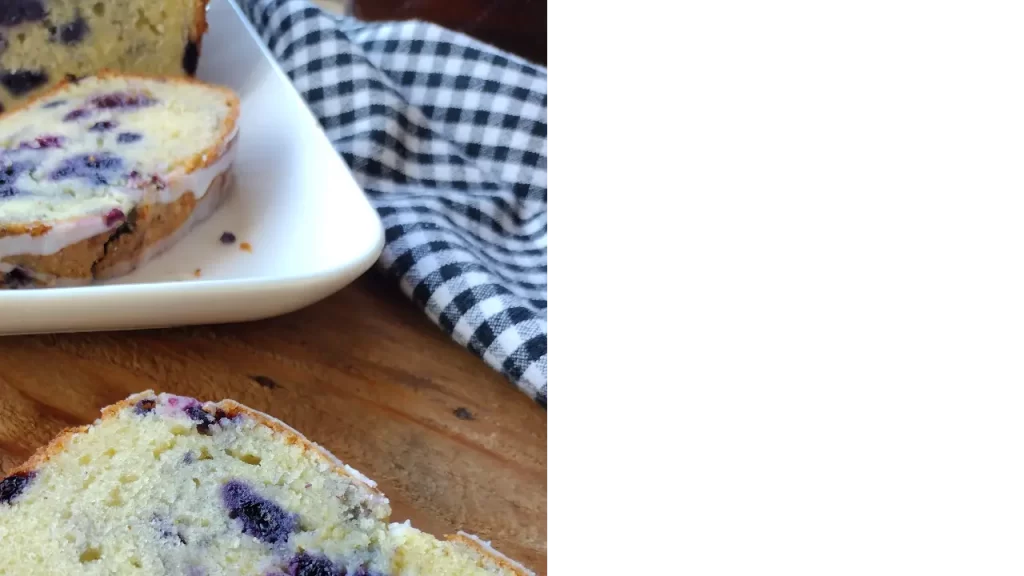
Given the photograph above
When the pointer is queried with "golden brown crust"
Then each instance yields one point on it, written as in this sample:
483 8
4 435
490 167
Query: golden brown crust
74 262
150 226
37 229
230 407
490 554
293 436
199 24
54 447
152 223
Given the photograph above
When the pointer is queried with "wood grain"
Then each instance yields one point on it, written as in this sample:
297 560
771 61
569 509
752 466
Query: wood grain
364 373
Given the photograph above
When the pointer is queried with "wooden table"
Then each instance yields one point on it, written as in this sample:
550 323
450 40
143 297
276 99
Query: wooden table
364 373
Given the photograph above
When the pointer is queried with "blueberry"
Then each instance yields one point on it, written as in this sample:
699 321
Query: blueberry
14 12
76 114
22 82
9 174
102 126
145 406
12 486
229 238
190 61
201 416
127 227
138 180
17 278
42 142
11 170
128 137
96 168
55 103
113 217
71 33
260 517
122 100
308 565
49 141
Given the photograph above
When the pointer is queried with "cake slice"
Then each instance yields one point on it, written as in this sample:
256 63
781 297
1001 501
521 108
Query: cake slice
102 173
164 484
42 41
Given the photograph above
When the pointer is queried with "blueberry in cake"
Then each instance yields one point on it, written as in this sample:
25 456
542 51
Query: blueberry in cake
99 174
42 41
164 484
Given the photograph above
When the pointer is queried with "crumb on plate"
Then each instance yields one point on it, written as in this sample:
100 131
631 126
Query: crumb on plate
227 238
198 272
245 246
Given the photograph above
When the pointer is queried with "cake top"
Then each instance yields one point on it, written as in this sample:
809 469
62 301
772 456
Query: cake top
98 146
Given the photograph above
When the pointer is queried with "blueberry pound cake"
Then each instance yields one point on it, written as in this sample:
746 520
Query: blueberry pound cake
100 174
42 41
164 484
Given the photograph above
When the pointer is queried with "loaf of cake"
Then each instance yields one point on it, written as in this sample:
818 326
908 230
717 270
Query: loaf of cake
164 484
99 174
42 41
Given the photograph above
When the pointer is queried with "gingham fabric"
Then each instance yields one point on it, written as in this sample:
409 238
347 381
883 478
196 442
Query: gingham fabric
448 137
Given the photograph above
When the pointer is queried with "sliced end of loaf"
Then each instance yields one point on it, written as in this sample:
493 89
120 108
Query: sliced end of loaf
166 484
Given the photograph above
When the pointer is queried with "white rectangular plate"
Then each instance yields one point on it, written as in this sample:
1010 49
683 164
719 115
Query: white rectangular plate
311 228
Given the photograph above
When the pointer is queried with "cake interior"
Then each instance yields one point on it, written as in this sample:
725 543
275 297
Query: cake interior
100 143
43 40
165 485
173 489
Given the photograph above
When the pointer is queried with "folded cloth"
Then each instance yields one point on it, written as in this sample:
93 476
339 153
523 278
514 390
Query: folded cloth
448 137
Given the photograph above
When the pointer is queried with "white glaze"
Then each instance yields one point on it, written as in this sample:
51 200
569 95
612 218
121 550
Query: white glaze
60 236
65 233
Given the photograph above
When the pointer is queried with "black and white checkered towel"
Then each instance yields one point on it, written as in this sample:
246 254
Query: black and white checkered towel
448 137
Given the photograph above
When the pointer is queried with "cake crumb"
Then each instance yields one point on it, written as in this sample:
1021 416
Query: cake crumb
198 272
245 246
